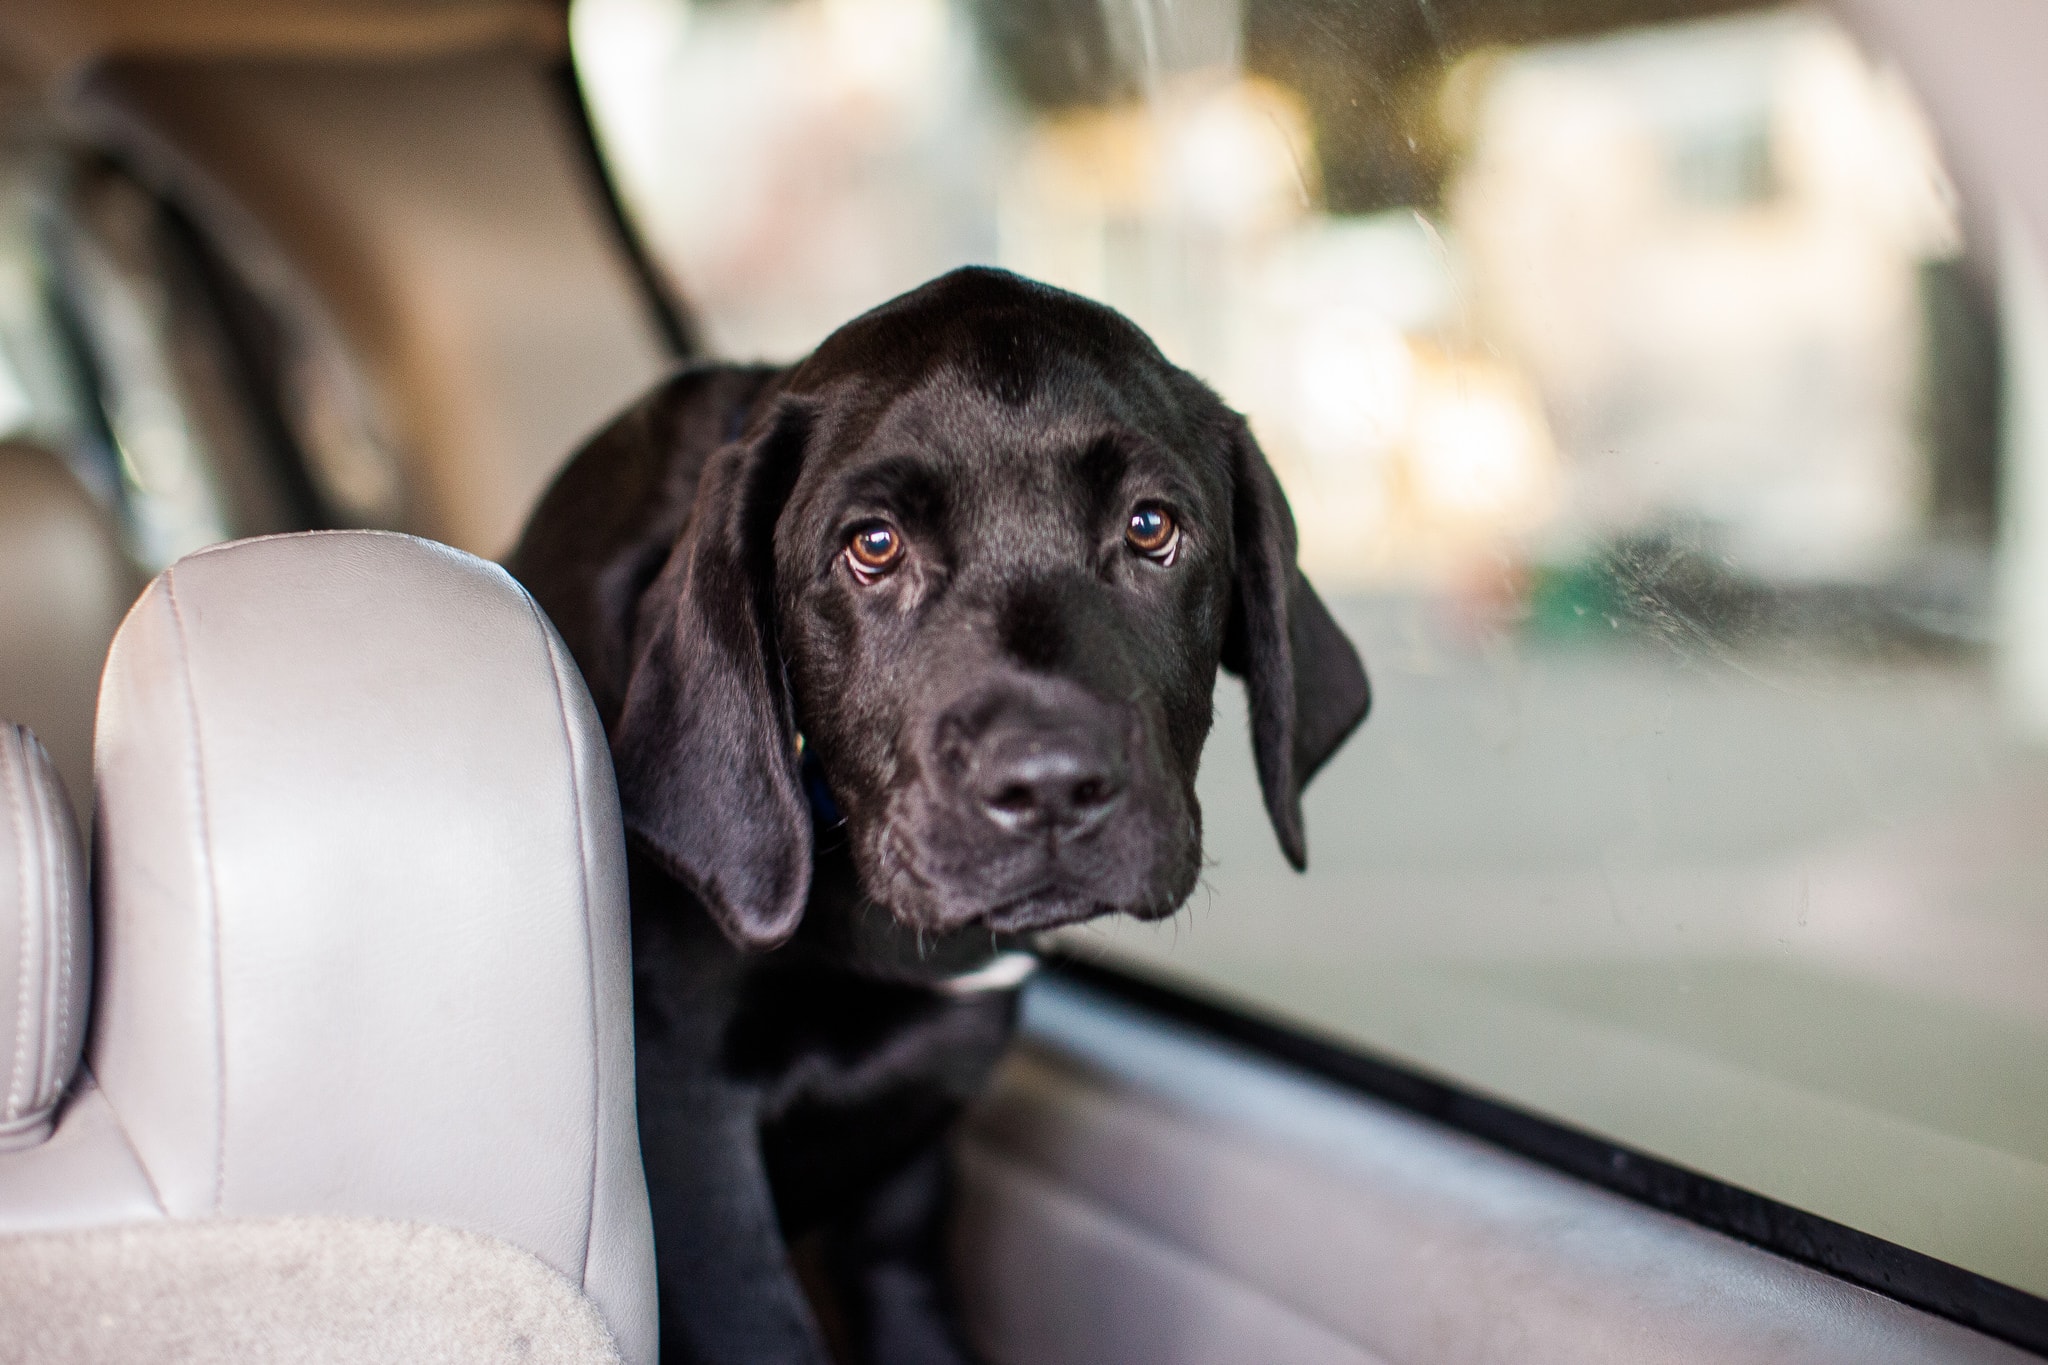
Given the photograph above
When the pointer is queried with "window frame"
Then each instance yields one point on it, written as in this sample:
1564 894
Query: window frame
1911 1277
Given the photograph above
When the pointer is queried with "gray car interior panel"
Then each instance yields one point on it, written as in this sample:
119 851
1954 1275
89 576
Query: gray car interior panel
1125 1168
361 940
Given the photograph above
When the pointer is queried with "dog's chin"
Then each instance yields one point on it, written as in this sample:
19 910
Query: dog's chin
1019 917
1057 906
1039 911
936 876
930 906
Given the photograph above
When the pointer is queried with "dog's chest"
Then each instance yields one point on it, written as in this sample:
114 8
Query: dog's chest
856 1076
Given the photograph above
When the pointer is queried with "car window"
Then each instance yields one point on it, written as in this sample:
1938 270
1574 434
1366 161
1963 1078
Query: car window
193 404
1635 371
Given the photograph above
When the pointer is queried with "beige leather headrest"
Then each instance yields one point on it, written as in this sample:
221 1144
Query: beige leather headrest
45 940
362 904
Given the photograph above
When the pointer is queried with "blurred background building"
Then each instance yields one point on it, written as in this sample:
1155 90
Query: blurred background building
1545 323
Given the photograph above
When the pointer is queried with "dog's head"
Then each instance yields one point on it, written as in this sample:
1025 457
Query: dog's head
975 568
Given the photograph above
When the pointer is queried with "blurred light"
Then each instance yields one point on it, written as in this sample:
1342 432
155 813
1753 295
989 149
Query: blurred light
1852 140
1240 157
1478 452
626 55
1354 382
885 45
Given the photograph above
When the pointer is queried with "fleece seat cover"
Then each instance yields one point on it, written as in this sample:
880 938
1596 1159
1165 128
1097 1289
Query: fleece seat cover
337 1291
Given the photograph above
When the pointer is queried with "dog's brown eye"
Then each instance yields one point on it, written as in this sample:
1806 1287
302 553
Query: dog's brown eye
874 549
1152 533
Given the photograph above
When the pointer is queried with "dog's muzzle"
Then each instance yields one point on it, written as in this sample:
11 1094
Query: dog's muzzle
1044 763
1042 805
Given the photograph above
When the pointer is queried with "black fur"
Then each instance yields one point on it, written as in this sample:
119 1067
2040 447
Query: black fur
1010 723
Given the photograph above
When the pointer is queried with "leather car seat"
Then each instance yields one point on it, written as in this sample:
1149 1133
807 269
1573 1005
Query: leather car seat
358 1084
64 583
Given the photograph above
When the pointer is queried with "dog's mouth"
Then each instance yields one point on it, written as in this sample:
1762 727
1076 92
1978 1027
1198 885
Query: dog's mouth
1015 897
1051 902
946 853
940 937
1056 905
1053 905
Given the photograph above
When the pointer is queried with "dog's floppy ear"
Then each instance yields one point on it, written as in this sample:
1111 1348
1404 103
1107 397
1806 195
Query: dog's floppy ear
608 523
705 746
1306 686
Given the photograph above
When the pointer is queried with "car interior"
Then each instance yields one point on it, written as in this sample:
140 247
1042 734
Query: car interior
1672 995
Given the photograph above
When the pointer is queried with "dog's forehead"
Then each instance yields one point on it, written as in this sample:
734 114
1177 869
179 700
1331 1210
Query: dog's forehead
1009 335
1068 442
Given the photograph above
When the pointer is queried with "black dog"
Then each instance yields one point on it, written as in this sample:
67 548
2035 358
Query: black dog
906 654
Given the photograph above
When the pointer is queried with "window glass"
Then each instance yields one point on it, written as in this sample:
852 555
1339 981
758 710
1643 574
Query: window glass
193 407
1635 375
41 397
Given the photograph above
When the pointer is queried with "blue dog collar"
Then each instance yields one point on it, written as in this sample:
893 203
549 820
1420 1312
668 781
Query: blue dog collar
824 810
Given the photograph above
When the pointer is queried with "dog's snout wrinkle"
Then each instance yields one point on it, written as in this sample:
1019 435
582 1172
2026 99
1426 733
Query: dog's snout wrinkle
1061 784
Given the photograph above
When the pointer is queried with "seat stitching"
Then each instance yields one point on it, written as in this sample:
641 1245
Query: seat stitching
21 843
60 911
53 948
220 1032
589 939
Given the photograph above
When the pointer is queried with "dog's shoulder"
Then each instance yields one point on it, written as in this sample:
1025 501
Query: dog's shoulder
600 533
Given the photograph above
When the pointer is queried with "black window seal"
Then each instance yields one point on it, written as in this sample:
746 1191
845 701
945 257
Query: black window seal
1911 1277
249 337
665 308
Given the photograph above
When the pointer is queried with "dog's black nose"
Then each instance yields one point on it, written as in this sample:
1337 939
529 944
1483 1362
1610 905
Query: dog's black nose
1033 780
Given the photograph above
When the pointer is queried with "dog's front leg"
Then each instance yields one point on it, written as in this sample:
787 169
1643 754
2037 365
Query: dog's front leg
889 1267
728 1295
888 1254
